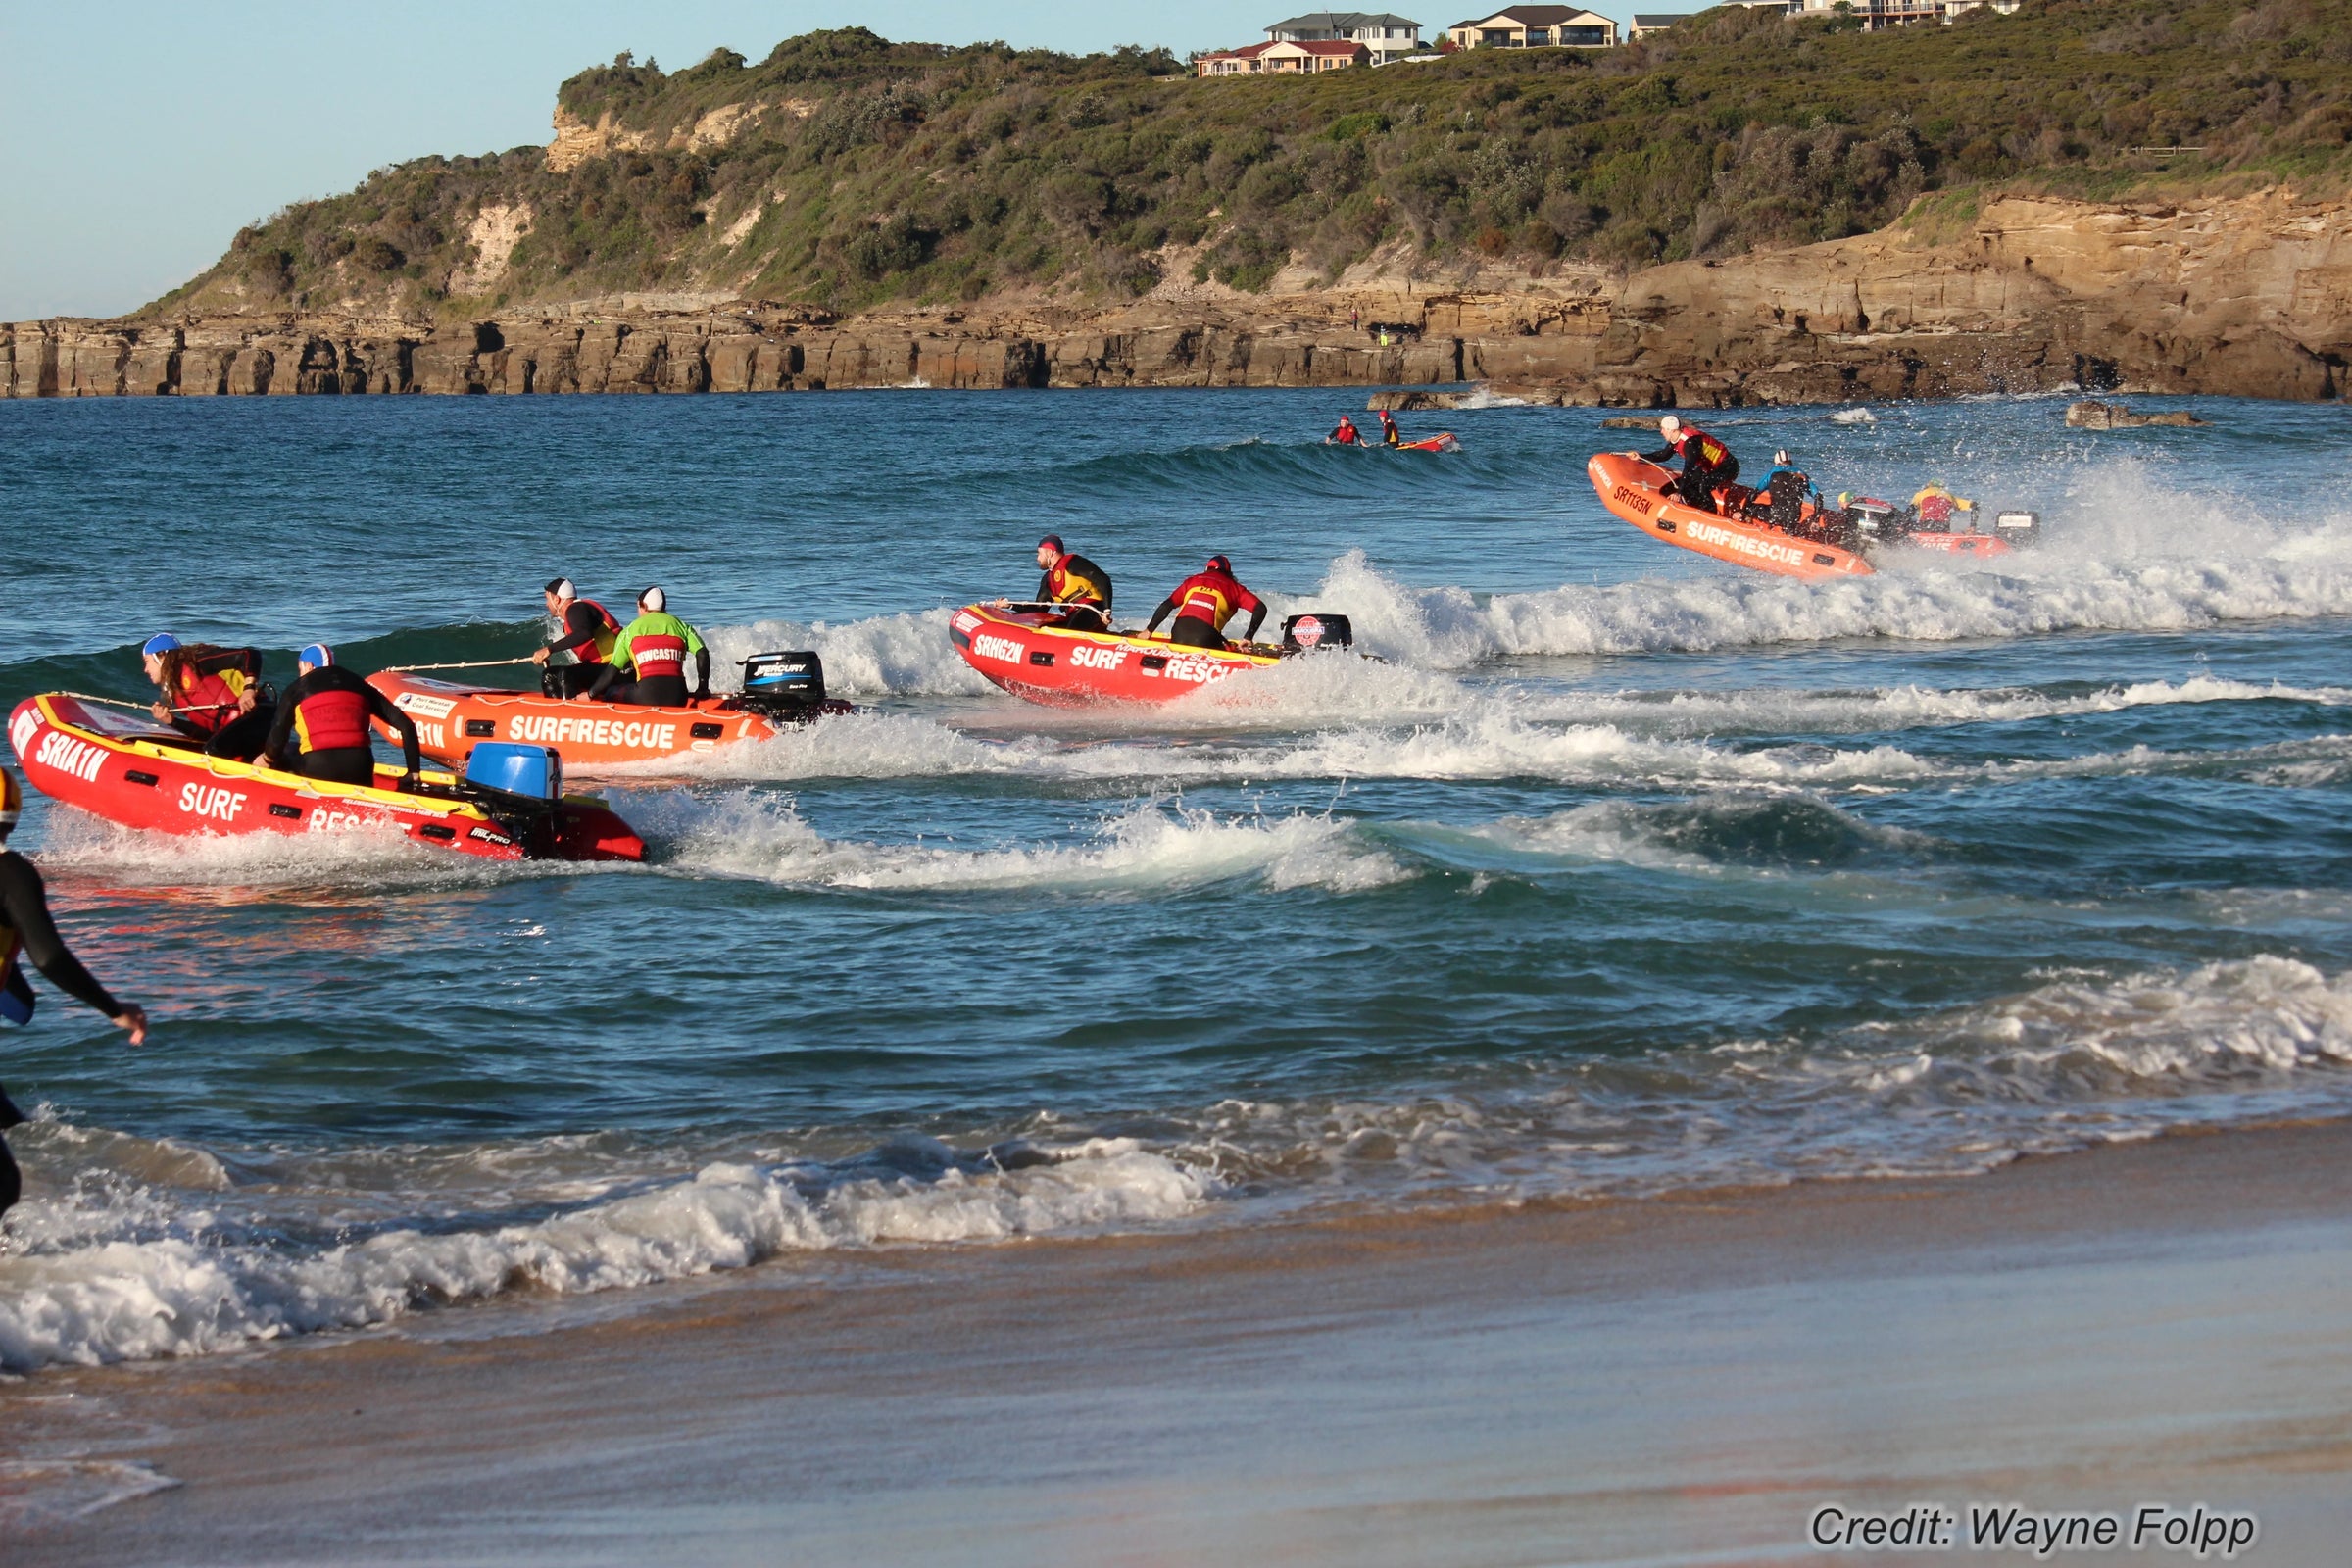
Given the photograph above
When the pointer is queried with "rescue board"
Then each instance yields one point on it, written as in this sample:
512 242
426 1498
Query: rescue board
1030 654
125 768
452 718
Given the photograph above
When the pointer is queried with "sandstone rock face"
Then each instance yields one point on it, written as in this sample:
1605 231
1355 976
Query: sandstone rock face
2248 296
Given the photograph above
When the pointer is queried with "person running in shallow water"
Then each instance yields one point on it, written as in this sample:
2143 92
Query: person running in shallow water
26 929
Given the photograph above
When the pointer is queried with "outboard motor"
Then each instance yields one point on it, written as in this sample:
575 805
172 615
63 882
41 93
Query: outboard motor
520 786
1875 521
1316 629
784 685
2020 528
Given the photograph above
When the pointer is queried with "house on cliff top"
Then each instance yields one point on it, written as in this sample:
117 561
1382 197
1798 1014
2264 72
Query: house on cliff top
1285 59
1535 27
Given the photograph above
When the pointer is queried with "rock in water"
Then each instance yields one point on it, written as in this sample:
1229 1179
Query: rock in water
1407 402
1626 422
2092 414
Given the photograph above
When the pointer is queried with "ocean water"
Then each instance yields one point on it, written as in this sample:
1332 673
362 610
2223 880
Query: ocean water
1621 871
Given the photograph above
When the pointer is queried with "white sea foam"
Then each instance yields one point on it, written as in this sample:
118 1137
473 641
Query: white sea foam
2079 1061
148 1275
903 653
1156 847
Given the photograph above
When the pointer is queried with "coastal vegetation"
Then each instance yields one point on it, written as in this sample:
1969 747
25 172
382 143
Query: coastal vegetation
846 172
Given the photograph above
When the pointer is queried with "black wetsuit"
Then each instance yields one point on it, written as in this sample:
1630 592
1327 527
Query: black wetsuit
582 623
25 912
359 702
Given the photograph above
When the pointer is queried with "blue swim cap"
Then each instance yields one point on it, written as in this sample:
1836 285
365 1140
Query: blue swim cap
163 642
317 655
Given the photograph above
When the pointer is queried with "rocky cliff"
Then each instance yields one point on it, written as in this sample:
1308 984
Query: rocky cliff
2249 296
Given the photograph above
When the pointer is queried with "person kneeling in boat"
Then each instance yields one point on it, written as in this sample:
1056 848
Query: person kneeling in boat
1204 603
321 728
1390 435
26 928
1707 461
1932 508
589 632
1075 584
652 649
1786 498
209 694
1346 435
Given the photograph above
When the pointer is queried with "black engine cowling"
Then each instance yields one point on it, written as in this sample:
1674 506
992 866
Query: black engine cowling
1316 629
789 685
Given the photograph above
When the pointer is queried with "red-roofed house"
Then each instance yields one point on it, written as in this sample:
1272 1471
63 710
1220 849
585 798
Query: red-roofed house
1284 57
1232 61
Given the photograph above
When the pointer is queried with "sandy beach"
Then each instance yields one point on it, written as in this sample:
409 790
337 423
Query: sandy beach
1670 1381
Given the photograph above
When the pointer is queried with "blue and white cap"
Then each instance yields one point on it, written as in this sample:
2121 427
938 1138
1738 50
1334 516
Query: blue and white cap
163 642
318 656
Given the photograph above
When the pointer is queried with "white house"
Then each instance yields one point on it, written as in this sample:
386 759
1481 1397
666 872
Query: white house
1535 27
1387 37
1646 23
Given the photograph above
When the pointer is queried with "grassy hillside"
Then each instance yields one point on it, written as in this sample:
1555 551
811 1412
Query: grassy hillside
868 172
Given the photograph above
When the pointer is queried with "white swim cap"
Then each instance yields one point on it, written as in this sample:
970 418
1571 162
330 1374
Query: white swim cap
1669 425
653 599
562 588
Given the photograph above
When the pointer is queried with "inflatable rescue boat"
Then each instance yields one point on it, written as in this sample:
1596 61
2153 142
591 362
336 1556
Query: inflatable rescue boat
1634 490
125 767
779 691
1028 652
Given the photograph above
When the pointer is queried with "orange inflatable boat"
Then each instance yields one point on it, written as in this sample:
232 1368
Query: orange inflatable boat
781 691
1028 652
1634 489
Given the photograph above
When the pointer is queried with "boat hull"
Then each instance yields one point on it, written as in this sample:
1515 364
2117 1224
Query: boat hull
1028 654
452 720
1635 491
123 770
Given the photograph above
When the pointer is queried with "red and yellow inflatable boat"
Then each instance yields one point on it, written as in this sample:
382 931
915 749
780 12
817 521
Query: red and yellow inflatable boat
1031 654
128 769
452 718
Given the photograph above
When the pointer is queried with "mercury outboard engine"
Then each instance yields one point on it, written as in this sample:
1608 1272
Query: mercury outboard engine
783 685
2020 528
1316 630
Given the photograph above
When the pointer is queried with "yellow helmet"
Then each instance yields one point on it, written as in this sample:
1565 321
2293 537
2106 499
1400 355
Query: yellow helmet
11 800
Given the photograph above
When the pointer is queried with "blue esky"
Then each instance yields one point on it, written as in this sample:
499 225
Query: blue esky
136 139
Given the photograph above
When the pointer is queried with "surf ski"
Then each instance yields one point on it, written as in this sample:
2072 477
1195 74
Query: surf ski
123 767
1031 654
780 691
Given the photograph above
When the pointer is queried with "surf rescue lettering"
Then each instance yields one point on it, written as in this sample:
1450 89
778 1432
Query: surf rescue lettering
1745 544
20 733
1089 656
546 728
323 820
217 801
66 754
1003 647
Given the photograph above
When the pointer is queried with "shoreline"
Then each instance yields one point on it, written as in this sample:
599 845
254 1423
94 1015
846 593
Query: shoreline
1668 1379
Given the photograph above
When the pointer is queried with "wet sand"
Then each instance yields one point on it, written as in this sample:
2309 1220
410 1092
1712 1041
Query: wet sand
1671 1381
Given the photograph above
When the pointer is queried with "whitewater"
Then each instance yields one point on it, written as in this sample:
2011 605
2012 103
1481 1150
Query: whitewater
1613 870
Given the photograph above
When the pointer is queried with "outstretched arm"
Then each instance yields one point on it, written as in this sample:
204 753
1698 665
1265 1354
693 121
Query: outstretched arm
26 907
1161 614
281 730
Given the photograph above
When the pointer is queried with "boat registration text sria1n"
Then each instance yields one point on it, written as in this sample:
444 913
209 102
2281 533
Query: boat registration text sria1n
128 770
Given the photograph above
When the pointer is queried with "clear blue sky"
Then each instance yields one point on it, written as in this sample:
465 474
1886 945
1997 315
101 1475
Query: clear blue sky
136 137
